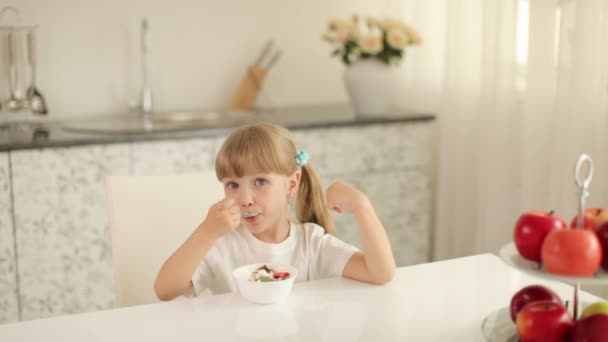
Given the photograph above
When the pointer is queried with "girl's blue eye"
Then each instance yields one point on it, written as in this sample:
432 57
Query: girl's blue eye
232 185
260 181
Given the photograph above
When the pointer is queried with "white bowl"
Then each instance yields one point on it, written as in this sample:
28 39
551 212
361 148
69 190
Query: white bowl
264 292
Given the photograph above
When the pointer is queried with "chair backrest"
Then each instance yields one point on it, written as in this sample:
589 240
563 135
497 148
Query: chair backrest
150 217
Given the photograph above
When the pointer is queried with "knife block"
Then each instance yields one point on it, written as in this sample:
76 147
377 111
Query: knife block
248 89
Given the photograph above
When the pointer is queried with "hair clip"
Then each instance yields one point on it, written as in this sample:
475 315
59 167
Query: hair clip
301 158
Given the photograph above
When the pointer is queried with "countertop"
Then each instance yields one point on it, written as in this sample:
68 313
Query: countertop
441 301
47 132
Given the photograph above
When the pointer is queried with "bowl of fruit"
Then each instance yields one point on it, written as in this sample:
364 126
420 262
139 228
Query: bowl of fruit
265 283
536 313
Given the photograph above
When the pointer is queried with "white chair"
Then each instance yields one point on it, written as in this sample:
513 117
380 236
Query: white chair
150 217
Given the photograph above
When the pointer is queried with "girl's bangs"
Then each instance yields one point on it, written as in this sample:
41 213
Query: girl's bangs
240 157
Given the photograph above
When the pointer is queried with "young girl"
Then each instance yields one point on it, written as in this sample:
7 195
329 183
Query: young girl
262 172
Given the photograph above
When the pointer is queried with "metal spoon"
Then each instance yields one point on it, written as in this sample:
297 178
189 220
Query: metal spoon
37 102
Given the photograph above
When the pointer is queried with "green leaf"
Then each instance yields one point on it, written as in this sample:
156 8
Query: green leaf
345 59
265 279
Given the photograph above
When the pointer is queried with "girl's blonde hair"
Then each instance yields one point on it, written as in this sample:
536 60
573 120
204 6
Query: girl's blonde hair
269 148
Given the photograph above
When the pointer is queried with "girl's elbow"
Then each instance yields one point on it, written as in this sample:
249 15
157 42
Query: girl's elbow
385 277
160 292
163 296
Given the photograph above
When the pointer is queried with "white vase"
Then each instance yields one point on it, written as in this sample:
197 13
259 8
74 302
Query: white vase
369 84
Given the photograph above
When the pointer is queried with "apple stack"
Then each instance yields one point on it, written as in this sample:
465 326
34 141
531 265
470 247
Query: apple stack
541 316
544 237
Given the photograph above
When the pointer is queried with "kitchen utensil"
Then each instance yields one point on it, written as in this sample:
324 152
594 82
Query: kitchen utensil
36 99
146 89
273 60
12 103
266 59
265 50
248 89
16 34
251 83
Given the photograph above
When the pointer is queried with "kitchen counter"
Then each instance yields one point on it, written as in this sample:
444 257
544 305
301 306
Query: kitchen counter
54 132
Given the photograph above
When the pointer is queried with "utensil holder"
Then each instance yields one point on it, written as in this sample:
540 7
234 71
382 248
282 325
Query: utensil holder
15 68
247 91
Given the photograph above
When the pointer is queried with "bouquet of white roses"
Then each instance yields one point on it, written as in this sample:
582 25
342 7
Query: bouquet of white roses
370 38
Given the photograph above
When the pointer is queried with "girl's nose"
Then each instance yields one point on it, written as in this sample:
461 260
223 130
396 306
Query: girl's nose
246 200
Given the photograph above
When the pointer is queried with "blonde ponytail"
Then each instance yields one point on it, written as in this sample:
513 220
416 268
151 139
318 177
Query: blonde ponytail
310 201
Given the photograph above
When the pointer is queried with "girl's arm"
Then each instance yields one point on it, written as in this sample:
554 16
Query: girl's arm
175 276
376 264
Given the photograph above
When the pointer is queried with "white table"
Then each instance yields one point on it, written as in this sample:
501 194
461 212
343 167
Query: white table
442 301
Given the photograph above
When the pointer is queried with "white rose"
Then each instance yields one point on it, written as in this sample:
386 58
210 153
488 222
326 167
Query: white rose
412 35
341 25
339 37
371 44
396 39
389 23
333 24
329 37
371 21
342 36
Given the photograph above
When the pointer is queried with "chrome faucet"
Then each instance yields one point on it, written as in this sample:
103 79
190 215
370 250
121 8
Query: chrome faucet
146 90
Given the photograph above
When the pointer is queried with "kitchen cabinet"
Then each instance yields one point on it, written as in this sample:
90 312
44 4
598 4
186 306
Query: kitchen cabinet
9 305
61 225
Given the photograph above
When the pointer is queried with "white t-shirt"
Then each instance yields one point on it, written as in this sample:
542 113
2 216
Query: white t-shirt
313 253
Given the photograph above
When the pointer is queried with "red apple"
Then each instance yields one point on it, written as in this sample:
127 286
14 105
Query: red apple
602 235
592 328
544 321
592 218
572 252
531 229
529 294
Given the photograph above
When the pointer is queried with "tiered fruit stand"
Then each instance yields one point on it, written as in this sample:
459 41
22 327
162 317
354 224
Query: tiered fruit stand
498 326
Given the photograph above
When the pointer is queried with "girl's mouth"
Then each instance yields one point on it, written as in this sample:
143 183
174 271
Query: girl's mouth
251 217
247 214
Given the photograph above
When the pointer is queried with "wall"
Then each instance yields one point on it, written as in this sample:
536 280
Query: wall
89 50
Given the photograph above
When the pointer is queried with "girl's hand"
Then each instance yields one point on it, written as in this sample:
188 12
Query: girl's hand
223 217
342 196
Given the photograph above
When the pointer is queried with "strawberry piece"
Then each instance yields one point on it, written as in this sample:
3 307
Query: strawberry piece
281 275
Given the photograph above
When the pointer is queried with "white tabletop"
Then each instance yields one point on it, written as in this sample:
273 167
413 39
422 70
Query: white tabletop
442 301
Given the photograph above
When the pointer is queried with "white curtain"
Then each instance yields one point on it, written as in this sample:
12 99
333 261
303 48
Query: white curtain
520 88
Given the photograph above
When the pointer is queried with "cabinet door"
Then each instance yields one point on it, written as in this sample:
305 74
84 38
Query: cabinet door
401 199
61 223
368 148
9 306
390 163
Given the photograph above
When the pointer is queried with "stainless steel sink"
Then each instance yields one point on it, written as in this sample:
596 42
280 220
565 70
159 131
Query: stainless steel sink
189 117
159 122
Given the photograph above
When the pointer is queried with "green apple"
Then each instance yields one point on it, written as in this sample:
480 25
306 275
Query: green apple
597 307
